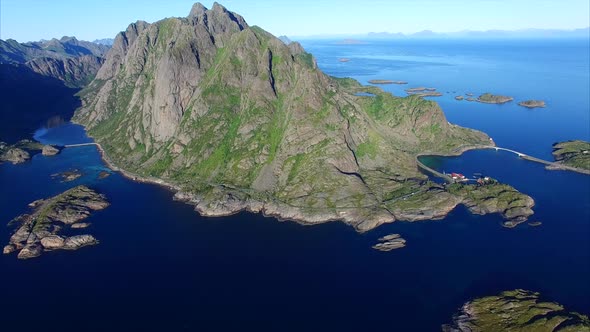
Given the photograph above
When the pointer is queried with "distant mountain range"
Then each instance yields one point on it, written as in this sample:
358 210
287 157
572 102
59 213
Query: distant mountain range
104 41
525 33
496 34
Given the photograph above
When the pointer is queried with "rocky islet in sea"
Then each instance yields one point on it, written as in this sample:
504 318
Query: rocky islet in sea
516 311
39 230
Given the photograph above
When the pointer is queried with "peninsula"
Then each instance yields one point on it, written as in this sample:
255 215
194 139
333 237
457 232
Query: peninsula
39 230
573 153
233 119
517 310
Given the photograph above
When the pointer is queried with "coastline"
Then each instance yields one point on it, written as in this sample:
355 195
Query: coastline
362 219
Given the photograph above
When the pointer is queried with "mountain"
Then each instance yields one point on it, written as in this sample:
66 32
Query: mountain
233 119
104 41
497 34
70 60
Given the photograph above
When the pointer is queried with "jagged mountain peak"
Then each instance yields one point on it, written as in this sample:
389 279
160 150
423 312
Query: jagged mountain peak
218 17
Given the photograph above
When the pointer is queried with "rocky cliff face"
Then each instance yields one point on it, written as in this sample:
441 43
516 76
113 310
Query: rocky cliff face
237 120
72 61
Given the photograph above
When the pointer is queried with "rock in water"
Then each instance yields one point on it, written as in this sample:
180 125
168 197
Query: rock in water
49 150
79 241
390 242
9 248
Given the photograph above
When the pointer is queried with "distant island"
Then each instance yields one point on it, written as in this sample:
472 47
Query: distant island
573 153
423 92
378 81
532 103
343 59
489 98
39 230
517 310
350 41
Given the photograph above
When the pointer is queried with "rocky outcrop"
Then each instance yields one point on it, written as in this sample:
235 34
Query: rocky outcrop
79 241
39 231
390 242
49 150
68 176
517 310
234 119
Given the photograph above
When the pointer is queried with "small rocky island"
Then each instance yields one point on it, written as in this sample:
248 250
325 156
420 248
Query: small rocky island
459 98
68 176
423 92
39 230
532 103
20 152
488 98
390 242
573 153
387 82
517 310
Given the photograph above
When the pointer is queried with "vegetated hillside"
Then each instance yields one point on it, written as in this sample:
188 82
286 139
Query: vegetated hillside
237 120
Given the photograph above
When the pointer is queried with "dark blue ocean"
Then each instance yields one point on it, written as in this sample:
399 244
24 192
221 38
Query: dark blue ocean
162 267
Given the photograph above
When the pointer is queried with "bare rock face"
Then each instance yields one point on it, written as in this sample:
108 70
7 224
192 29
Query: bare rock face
49 150
31 250
52 242
79 241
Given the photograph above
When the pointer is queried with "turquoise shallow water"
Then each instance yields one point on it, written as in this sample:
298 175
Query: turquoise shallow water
160 266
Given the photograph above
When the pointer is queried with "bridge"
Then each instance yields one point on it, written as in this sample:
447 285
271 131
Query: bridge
550 164
81 144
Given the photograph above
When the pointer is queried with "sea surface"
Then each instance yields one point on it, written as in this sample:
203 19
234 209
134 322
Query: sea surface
162 267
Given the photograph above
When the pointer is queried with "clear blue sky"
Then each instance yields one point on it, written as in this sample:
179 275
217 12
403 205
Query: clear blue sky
27 20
